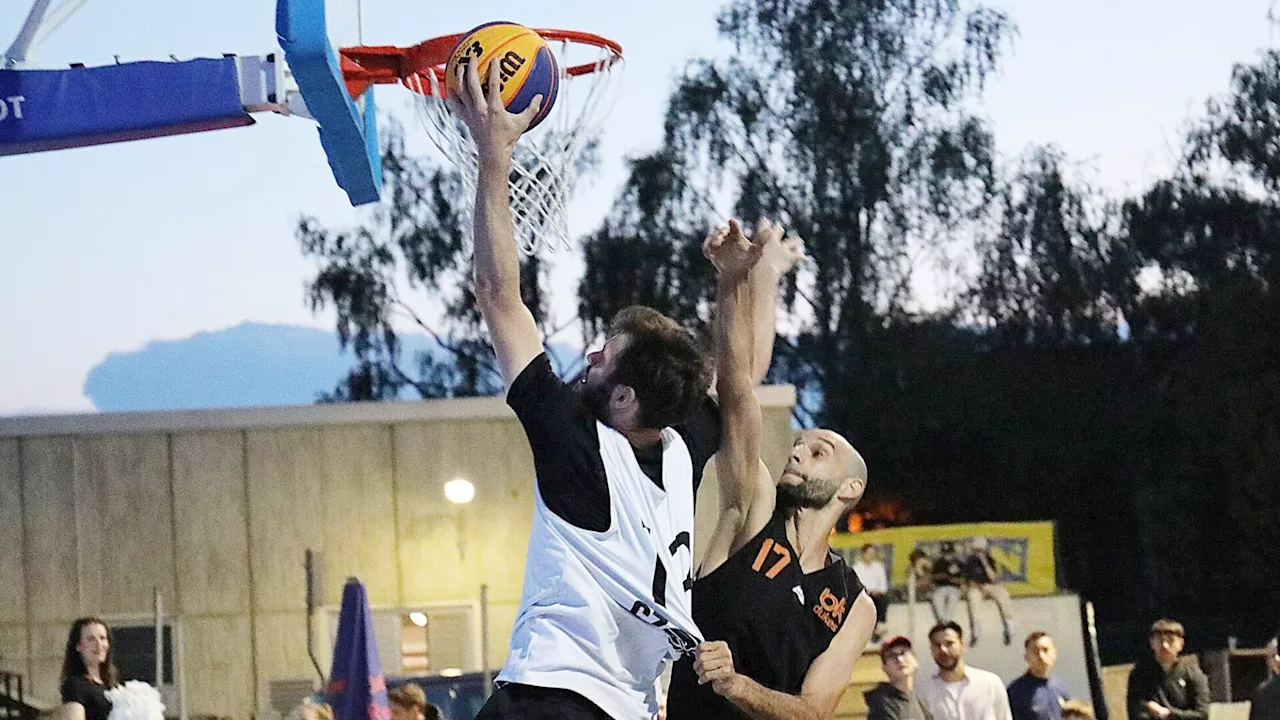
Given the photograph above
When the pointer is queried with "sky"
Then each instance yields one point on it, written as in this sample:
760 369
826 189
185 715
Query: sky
105 249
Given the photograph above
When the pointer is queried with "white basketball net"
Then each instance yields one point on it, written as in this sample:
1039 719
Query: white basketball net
544 167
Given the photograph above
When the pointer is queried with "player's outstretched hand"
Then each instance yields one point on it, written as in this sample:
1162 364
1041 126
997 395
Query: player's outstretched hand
731 252
780 255
714 664
494 129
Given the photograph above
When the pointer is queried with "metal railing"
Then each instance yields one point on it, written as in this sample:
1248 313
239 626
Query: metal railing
13 705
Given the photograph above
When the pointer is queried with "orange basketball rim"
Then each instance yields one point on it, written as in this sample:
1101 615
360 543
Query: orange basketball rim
421 67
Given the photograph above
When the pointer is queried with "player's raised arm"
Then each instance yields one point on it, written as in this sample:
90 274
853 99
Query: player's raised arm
735 257
497 265
745 486
777 258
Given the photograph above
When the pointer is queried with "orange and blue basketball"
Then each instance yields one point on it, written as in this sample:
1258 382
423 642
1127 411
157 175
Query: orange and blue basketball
527 65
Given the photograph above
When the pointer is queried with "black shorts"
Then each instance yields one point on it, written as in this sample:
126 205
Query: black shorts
513 701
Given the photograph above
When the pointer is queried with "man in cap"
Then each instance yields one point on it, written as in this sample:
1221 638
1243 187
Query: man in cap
896 699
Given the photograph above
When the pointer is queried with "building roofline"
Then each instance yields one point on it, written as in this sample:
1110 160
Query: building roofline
361 413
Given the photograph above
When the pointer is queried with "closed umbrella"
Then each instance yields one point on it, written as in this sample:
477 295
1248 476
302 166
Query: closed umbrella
357 690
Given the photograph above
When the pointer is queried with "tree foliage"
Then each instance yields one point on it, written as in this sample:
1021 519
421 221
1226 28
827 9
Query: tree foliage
379 277
848 122
1054 269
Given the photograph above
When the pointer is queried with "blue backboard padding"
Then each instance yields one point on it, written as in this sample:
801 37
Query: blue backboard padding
349 137
55 109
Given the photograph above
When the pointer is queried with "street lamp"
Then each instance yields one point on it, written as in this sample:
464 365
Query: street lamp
459 491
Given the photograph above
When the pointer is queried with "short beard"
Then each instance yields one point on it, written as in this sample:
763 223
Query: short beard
596 398
809 493
954 661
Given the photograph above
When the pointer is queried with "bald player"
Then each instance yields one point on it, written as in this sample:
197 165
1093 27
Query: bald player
784 617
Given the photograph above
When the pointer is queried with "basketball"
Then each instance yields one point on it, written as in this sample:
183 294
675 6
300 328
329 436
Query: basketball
527 65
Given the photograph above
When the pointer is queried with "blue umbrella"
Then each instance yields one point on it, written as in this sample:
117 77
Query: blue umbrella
357 690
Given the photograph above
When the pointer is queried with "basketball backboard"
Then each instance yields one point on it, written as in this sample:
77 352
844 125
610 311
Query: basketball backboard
348 125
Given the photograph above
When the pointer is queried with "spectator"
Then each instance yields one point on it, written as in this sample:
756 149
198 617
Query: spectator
957 691
1266 699
1076 710
88 671
1164 684
1039 694
896 699
875 580
919 574
409 702
982 580
921 569
948 576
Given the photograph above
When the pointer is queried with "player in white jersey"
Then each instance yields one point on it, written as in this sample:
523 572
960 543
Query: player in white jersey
618 456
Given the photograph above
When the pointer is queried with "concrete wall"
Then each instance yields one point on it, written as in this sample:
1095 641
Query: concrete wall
216 508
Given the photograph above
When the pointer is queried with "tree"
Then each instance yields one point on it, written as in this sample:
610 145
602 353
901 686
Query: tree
1210 320
849 123
1054 269
414 246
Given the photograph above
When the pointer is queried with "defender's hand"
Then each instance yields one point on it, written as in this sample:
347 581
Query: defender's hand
731 252
714 664
494 129
780 255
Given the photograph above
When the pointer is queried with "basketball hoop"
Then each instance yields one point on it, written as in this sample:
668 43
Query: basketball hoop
544 167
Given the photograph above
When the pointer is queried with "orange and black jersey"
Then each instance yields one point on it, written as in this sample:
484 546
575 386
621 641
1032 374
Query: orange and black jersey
776 619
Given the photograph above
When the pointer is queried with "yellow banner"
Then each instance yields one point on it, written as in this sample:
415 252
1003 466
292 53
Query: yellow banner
1023 552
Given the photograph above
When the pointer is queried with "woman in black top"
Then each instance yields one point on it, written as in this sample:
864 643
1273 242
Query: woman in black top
88 671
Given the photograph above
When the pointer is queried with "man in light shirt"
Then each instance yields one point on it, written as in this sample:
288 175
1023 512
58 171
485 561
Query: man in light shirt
875 580
957 691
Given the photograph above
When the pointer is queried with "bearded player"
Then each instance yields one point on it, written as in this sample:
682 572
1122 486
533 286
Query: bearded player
785 618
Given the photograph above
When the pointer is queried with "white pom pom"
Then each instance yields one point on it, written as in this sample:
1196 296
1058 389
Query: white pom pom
135 701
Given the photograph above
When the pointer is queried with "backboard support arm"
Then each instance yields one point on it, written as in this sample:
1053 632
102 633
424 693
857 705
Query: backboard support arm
40 23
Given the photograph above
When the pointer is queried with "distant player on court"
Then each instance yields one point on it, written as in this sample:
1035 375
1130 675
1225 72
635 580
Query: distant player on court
785 618
618 456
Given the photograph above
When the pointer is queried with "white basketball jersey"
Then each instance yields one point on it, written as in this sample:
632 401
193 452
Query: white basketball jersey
602 612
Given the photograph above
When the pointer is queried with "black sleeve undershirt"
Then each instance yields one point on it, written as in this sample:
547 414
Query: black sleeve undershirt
563 436
566 448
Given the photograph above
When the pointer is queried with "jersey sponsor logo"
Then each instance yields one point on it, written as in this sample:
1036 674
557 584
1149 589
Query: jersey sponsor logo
679 640
771 559
830 609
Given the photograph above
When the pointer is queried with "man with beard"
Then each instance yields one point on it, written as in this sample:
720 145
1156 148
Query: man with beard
618 457
958 691
786 618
